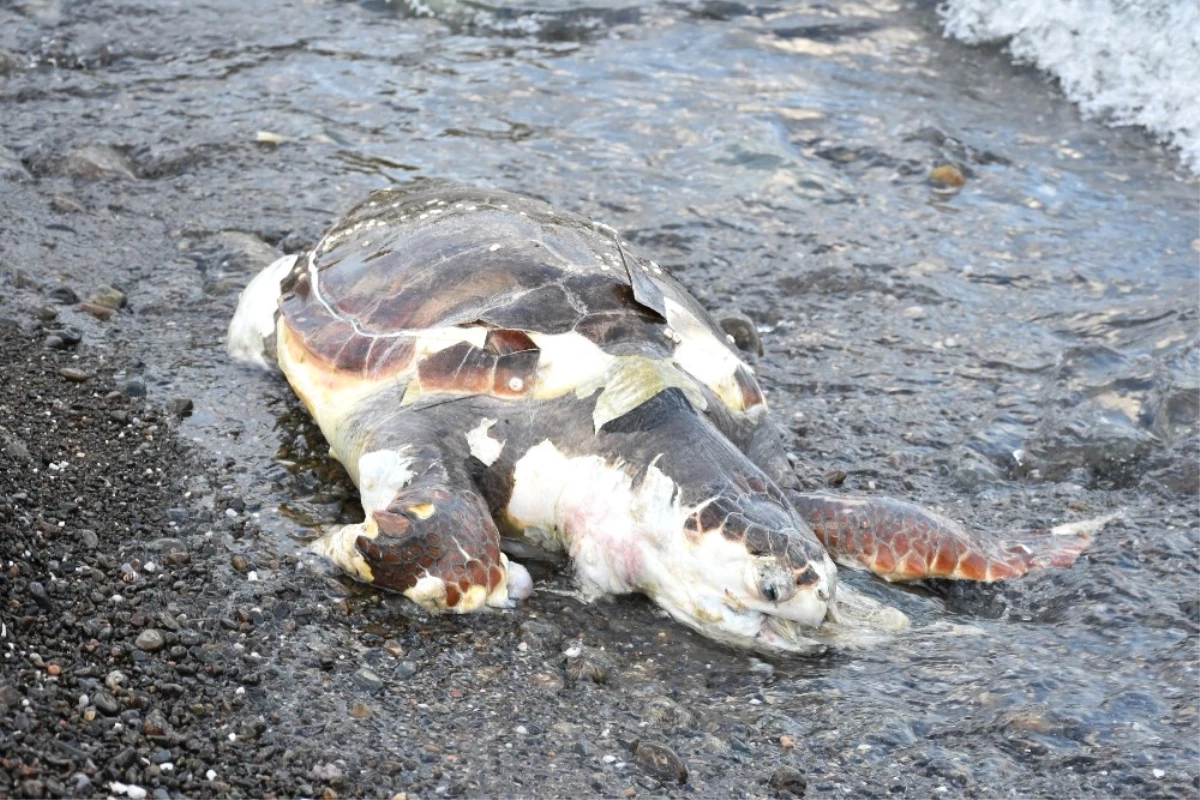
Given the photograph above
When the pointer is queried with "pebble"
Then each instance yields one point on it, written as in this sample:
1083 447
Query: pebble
788 781
38 592
667 715
180 407
542 635
588 664
108 297
360 711
105 702
10 696
99 312
660 761
155 725
73 374
89 538
62 204
64 296
133 387
129 790
947 176
71 336
151 640
95 162
368 679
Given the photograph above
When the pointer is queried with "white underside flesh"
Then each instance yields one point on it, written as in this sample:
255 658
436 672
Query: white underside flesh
254 319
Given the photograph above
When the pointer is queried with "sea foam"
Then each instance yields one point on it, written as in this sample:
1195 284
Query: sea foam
1128 62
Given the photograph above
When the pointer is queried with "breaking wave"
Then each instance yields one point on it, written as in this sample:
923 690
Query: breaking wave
1129 62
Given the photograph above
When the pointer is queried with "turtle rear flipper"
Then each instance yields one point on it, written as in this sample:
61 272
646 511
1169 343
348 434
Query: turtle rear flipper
438 548
903 542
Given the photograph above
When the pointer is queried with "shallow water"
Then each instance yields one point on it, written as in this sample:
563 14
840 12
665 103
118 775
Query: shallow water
1021 351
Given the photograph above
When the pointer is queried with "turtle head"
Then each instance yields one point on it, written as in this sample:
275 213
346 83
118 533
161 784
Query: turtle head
748 571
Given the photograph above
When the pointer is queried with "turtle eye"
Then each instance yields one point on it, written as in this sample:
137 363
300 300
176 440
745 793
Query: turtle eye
775 582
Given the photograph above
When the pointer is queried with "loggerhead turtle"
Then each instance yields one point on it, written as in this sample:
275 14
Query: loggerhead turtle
483 364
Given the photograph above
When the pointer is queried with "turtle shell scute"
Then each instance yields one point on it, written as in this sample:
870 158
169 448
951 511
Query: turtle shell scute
506 366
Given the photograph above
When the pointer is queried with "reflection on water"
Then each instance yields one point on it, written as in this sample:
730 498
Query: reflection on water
1016 342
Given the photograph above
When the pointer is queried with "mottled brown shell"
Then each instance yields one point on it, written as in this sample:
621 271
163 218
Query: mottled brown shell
438 256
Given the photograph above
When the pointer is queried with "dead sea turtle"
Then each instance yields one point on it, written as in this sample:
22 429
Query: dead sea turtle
483 364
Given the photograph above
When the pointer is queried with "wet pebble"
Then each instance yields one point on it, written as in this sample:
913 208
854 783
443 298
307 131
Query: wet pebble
71 336
368 679
105 702
151 640
64 296
542 635
133 387
788 782
588 664
99 312
167 544
45 313
61 204
95 163
38 592
10 696
62 339
108 297
74 374
947 177
660 761
665 714
180 407
155 724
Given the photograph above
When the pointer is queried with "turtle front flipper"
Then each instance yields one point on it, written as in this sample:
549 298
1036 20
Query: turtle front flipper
903 542
439 549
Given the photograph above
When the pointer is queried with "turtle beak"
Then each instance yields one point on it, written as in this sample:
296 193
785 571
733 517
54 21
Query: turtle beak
780 635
